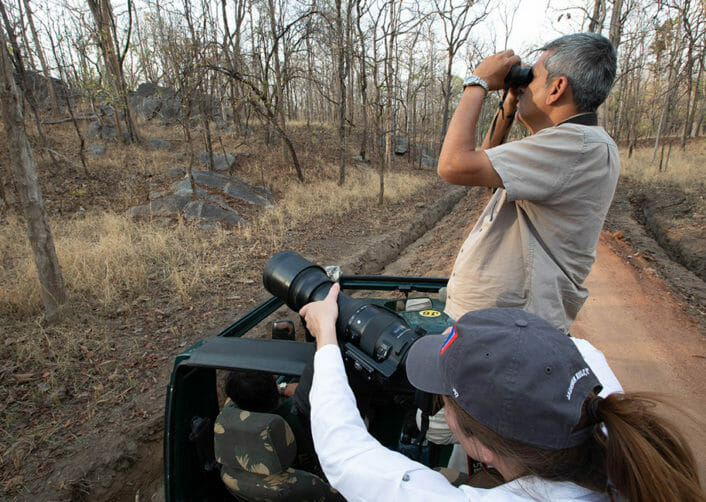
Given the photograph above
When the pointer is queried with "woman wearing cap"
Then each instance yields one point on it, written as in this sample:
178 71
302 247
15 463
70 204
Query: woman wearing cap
519 395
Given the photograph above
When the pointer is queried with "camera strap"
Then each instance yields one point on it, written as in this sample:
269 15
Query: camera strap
501 111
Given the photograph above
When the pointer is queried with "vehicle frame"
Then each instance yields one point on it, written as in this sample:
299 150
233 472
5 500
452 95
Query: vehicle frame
193 395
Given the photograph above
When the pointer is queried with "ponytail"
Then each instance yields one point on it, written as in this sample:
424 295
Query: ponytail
642 458
646 458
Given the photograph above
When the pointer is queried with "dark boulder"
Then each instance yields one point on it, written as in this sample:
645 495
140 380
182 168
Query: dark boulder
205 211
171 205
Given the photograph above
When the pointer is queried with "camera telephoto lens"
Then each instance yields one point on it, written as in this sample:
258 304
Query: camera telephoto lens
379 337
295 280
518 76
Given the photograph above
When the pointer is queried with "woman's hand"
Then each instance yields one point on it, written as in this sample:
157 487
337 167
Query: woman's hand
320 318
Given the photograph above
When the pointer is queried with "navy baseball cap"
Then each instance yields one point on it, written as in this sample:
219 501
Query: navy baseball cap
511 371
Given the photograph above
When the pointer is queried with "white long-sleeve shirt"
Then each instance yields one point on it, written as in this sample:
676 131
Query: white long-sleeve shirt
362 469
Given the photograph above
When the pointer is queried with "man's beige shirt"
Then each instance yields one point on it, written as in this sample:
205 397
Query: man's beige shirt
535 242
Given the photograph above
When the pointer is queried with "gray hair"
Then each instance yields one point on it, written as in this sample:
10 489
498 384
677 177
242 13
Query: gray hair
588 61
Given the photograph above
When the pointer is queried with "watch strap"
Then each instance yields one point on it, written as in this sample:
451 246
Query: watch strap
475 80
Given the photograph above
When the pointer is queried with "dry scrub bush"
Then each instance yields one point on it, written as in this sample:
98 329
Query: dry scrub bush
685 168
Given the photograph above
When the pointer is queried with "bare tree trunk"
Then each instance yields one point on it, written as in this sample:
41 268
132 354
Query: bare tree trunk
698 116
664 164
595 24
192 158
69 106
664 117
105 29
186 126
279 98
309 81
447 96
661 158
616 24
689 31
209 143
342 70
42 59
457 28
18 60
414 154
633 111
674 66
38 231
206 118
698 128
23 33
363 79
389 128
688 108
691 131
350 84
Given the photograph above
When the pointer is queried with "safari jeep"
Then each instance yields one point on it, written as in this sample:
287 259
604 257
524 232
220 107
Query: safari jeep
375 330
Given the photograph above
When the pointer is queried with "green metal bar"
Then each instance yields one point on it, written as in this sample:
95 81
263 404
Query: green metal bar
391 283
252 318
362 282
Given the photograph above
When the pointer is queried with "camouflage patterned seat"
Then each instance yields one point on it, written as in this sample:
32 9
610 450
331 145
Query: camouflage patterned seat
256 451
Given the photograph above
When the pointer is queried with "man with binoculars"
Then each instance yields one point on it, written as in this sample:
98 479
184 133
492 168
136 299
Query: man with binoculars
535 242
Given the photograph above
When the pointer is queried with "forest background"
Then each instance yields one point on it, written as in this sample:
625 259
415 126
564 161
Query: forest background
337 108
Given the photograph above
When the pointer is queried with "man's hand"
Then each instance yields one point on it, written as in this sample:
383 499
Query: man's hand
320 318
459 161
493 69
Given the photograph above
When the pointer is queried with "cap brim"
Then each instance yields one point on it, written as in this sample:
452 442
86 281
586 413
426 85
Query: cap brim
422 365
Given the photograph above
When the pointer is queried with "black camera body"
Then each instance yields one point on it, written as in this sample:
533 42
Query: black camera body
518 76
374 338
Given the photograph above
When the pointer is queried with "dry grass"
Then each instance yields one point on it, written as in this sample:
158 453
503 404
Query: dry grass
109 260
311 201
685 168
141 291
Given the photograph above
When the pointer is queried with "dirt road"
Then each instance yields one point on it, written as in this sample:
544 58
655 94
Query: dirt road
650 342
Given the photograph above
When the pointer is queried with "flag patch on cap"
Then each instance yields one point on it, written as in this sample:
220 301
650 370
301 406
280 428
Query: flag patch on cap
451 339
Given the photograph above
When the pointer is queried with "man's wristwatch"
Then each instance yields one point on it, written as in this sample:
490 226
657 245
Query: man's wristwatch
282 386
475 80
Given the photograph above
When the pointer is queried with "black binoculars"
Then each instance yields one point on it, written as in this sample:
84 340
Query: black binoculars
518 76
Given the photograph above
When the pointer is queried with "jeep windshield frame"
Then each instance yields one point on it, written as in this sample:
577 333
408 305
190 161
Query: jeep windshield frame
192 388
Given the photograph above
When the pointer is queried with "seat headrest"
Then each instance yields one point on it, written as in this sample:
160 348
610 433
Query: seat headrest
261 443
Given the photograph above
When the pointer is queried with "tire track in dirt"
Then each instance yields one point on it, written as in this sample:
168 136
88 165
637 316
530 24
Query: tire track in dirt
434 253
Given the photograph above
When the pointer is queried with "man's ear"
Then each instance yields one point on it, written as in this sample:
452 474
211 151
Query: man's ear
557 89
